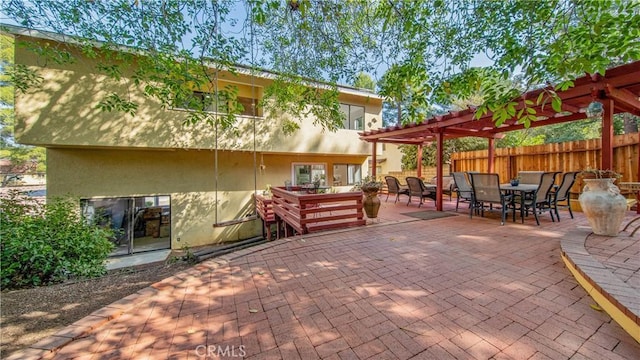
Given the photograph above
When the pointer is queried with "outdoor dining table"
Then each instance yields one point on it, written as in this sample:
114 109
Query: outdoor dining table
523 190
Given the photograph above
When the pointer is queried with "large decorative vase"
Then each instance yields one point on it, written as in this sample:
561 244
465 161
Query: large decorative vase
371 202
603 206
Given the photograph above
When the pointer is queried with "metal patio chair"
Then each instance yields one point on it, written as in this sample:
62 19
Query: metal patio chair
540 200
462 187
417 188
562 194
486 189
394 187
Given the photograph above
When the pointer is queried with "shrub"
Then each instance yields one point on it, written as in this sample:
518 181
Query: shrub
47 243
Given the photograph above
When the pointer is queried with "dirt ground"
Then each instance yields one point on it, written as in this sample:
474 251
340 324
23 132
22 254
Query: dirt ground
29 315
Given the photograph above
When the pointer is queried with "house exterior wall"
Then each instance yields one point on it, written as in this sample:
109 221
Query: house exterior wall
393 159
96 154
64 112
199 196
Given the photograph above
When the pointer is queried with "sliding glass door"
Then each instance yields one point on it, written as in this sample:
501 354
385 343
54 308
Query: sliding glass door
139 223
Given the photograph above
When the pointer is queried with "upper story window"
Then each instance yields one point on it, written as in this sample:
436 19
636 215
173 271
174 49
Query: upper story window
354 116
205 101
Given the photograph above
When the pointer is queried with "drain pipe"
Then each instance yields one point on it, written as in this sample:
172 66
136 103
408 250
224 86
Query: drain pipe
225 249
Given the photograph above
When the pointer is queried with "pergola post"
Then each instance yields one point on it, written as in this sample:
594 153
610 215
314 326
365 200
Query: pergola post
618 89
607 135
638 192
491 154
419 168
374 160
439 174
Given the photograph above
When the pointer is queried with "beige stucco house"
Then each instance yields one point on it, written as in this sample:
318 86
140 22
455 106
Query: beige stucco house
163 184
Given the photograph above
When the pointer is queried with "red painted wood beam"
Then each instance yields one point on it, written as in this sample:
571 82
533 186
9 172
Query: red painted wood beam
374 147
607 135
623 96
419 168
439 174
491 154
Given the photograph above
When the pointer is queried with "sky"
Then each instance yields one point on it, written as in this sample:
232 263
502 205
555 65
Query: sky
238 13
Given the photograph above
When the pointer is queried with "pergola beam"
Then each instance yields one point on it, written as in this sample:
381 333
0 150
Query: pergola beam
618 88
623 96
551 121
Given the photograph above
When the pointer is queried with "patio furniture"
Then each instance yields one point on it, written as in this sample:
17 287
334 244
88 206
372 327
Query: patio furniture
539 201
448 185
530 177
627 188
394 187
520 192
462 187
562 193
486 189
419 189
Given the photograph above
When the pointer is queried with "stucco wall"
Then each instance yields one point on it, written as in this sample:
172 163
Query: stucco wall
393 159
63 111
92 153
200 195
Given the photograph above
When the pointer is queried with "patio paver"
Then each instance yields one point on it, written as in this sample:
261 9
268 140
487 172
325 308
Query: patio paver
451 287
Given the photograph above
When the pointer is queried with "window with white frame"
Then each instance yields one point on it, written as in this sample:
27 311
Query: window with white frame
309 173
354 116
346 174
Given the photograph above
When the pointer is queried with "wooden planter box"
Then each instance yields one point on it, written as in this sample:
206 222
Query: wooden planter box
298 212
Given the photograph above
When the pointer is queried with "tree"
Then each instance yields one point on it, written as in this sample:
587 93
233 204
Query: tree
410 152
421 43
364 81
6 92
405 88
30 158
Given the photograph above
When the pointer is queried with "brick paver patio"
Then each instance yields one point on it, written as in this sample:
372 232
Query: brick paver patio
445 288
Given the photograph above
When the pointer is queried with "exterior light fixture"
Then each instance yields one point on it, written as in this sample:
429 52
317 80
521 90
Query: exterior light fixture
595 109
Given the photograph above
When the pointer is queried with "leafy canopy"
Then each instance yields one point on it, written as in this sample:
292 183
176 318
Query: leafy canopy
421 43
29 158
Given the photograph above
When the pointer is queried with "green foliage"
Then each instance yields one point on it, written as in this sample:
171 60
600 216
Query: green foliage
186 256
43 244
6 63
422 43
23 78
406 87
524 137
299 99
7 121
410 158
364 81
33 157
113 102
569 131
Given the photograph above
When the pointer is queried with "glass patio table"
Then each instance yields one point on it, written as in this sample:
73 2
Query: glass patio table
523 190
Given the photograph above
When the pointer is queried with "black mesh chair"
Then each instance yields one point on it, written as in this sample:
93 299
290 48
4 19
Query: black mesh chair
417 188
462 187
562 194
394 187
540 201
486 190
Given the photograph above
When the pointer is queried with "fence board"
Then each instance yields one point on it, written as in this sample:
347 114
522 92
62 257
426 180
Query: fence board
566 156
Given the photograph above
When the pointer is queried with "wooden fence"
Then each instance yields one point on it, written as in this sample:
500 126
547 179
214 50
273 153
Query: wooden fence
562 157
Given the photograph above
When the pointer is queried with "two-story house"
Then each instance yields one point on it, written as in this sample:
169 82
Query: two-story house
160 183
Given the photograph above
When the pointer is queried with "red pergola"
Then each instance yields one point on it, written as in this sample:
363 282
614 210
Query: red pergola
618 90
